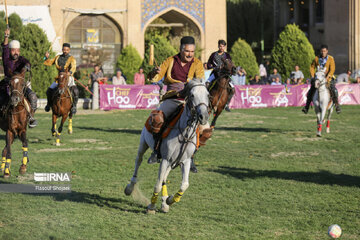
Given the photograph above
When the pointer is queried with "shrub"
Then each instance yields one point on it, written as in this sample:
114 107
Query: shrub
292 48
129 62
242 55
34 44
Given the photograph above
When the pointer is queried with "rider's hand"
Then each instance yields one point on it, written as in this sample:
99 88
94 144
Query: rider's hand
153 73
7 32
47 54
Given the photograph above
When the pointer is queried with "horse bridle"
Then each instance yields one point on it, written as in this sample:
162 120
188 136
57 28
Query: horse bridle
19 93
192 108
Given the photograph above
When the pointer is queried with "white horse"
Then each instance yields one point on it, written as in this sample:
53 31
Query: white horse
178 147
322 100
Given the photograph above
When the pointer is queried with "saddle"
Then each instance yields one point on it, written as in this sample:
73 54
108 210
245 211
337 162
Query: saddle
156 124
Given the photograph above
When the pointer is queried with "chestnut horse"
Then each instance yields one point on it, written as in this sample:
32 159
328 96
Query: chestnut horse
14 122
220 89
61 106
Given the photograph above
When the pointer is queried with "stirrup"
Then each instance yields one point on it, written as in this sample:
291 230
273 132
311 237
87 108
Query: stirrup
153 158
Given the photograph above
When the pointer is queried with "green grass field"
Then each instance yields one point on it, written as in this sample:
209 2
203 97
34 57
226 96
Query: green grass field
263 175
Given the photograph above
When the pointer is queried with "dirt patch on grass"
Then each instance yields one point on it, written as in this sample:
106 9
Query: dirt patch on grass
290 154
301 139
70 149
85 140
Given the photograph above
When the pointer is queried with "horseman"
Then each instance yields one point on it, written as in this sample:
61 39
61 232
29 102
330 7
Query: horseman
63 62
324 60
177 71
215 62
14 63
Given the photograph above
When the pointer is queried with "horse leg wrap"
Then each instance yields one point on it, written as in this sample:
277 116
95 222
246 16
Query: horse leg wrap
70 125
7 167
175 198
328 124
25 156
154 198
2 168
319 127
164 191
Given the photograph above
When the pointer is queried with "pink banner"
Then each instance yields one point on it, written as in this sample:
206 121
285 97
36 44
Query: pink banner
247 96
260 96
128 97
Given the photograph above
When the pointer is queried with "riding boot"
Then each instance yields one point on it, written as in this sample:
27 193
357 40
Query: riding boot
31 96
155 155
49 95
309 98
335 95
231 94
75 95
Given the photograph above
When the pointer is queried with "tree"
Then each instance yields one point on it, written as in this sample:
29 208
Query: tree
242 55
292 48
34 44
244 19
162 50
129 62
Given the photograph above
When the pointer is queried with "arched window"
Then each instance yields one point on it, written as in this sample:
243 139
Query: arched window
89 33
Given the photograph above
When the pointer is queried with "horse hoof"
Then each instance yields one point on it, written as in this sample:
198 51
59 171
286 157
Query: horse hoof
164 207
22 169
129 189
6 176
327 130
70 131
169 200
57 144
318 135
150 211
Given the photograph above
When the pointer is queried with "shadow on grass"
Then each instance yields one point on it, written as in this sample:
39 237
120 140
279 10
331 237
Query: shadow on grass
111 130
242 129
322 177
96 199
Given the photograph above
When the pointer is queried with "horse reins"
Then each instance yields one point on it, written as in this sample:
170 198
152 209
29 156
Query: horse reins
194 120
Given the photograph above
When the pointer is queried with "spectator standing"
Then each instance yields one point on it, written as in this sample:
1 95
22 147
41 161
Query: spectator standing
257 81
344 77
240 77
263 72
273 76
207 72
297 76
277 81
118 79
96 76
139 77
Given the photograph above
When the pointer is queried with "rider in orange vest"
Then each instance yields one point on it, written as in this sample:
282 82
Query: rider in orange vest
323 60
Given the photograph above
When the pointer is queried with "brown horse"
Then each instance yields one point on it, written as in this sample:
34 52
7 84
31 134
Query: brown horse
14 123
61 106
220 89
